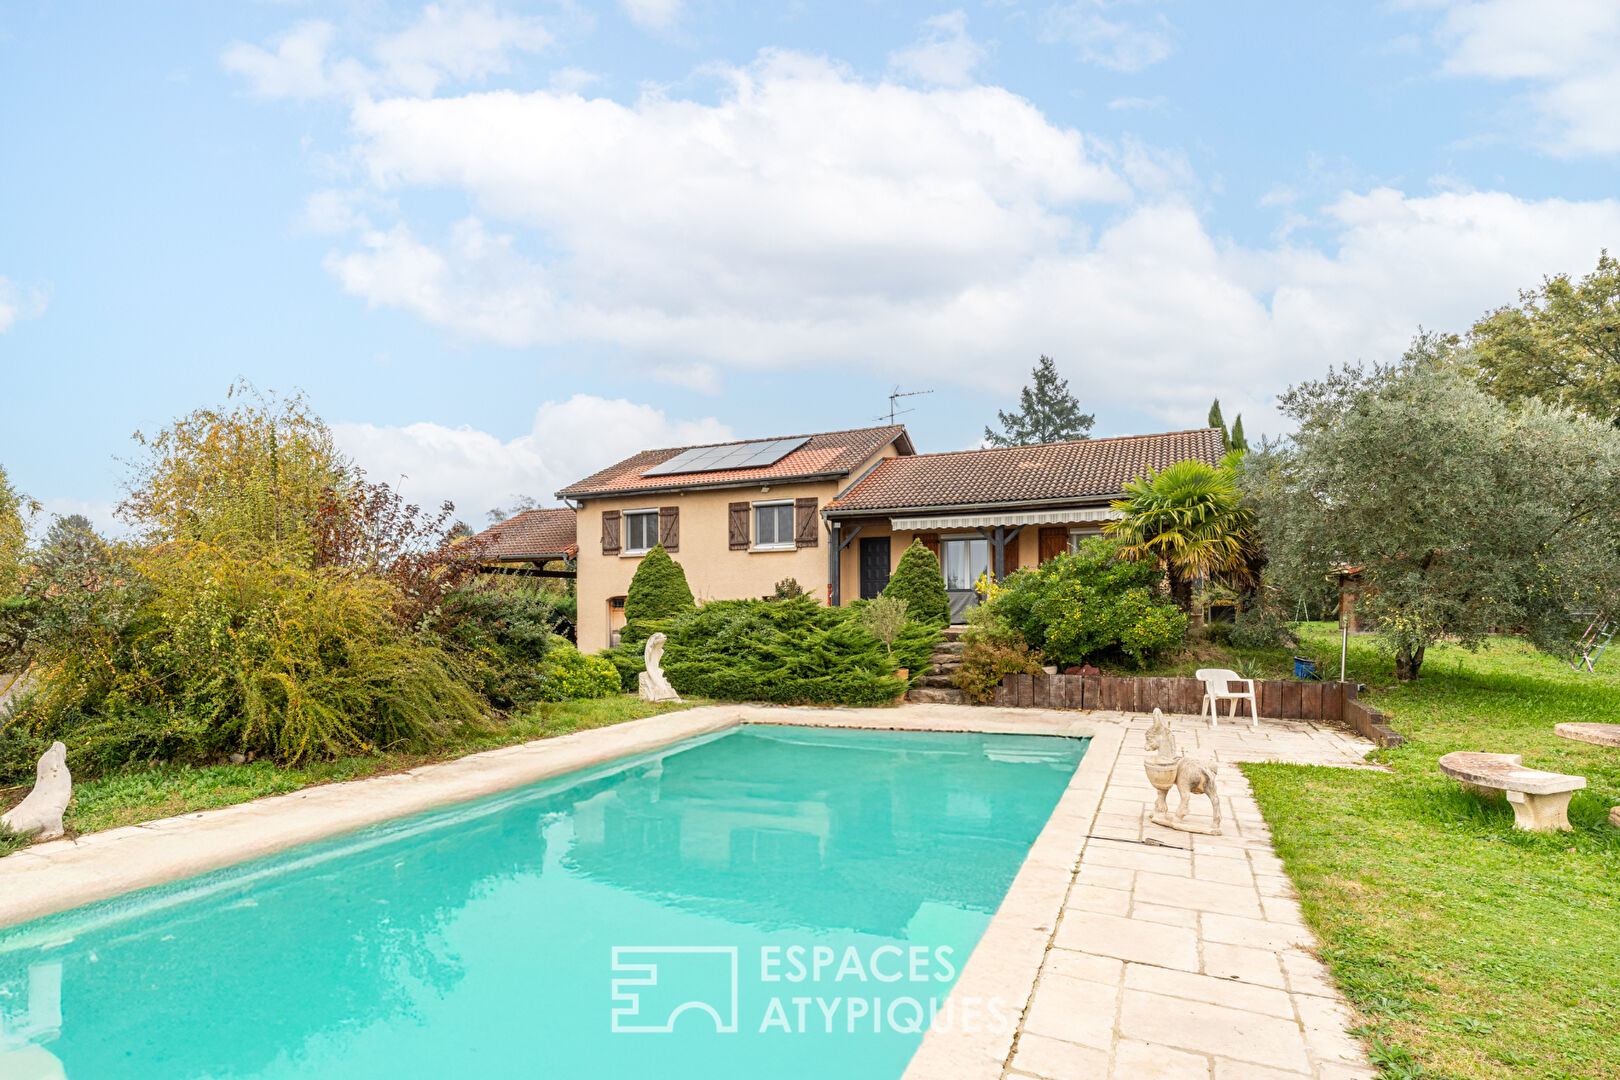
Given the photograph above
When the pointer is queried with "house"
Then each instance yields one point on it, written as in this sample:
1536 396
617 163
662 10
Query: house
994 510
527 541
739 517
834 511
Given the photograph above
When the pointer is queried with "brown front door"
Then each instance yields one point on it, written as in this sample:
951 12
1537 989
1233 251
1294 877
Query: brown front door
1054 541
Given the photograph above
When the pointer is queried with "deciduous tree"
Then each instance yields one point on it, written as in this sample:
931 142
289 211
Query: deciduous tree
1561 344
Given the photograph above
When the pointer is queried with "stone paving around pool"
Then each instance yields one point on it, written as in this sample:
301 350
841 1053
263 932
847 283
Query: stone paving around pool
1184 956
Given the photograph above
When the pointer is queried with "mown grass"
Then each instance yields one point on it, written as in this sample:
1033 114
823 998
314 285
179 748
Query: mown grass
143 794
1474 950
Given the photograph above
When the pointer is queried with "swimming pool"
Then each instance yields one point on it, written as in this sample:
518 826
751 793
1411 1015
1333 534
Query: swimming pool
764 902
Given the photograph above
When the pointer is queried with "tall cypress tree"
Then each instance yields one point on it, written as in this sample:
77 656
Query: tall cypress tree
1047 412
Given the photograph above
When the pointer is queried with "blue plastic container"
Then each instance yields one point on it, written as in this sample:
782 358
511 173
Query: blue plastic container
1305 669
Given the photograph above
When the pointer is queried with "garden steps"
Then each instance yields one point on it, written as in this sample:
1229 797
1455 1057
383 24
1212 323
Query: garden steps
932 695
935 686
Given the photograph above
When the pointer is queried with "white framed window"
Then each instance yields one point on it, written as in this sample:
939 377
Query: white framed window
640 531
773 525
964 559
1077 535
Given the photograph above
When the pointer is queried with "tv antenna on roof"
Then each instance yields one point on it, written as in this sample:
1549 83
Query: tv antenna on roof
898 393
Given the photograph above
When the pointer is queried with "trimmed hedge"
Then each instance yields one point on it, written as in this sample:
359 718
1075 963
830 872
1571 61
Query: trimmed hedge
790 651
919 582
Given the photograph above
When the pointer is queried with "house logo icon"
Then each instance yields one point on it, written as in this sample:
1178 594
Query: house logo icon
655 985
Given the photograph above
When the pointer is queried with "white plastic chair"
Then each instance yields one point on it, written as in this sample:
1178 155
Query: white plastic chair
1217 687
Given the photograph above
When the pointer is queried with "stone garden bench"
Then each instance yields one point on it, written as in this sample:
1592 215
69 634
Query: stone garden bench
1540 799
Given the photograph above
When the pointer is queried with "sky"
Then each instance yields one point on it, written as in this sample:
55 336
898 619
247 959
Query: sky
501 245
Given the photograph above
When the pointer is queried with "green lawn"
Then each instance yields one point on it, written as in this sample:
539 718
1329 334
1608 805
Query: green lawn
146 793
1473 950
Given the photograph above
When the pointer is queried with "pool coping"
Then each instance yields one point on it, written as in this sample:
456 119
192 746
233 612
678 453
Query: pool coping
1003 967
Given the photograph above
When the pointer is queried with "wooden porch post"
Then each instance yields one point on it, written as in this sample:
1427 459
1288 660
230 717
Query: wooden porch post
835 565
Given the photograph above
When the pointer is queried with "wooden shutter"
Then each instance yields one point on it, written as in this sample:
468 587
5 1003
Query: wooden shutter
1009 554
1054 541
610 532
669 527
738 526
806 532
930 541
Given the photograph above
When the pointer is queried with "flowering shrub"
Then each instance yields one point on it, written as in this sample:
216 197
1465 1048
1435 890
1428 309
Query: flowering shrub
573 676
1090 602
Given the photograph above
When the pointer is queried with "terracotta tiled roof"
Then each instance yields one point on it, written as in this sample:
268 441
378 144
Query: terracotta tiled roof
1090 468
831 453
532 534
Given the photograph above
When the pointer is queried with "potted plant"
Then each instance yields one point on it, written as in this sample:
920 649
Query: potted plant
884 617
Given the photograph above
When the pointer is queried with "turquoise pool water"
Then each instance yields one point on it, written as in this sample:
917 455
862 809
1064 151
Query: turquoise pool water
823 867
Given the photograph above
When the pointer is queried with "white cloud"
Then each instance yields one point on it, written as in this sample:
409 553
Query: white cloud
1108 34
299 67
571 80
17 302
945 55
460 41
803 194
805 218
653 14
430 463
1565 49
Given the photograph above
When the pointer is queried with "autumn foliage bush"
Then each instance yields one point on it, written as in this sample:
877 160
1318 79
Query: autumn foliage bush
274 603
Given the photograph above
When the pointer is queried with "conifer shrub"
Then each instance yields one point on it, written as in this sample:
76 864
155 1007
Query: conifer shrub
658 590
919 582
791 651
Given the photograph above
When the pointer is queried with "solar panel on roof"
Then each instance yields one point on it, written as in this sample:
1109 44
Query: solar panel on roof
749 455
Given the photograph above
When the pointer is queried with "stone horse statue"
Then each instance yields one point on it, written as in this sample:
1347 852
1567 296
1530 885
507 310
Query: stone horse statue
1191 776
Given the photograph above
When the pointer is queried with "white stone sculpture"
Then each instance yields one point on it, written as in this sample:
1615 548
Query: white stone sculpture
40 815
654 687
1169 768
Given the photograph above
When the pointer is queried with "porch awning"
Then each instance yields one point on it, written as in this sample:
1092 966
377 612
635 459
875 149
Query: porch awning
1060 516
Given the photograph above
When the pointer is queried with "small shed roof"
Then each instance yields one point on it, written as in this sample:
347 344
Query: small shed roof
534 535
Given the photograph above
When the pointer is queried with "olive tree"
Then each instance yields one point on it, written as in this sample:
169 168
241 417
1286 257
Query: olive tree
1463 514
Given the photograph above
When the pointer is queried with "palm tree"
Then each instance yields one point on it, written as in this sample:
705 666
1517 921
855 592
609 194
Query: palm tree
1192 521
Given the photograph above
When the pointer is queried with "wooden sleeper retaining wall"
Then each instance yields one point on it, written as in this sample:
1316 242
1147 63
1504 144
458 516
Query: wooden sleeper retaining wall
1280 699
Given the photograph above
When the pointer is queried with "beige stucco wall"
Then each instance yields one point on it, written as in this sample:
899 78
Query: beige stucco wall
714 571
1028 543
